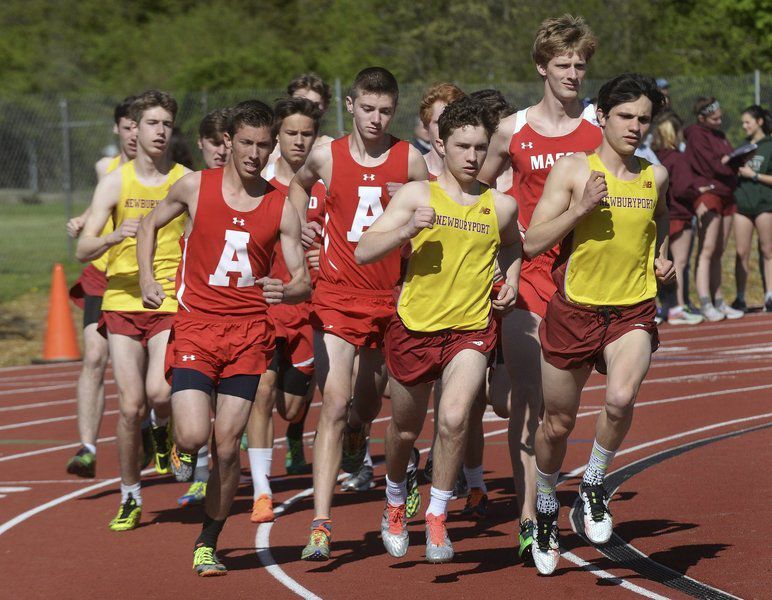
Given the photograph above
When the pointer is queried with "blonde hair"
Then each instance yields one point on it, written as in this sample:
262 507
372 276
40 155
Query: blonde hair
562 35
667 132
443 92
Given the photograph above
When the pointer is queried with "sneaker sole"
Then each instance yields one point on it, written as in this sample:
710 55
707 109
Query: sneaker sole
81 471
316 556
211 573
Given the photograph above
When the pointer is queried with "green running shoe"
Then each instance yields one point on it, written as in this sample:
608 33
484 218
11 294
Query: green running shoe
318 547
83 464
413 503
295 461
206 563
196 494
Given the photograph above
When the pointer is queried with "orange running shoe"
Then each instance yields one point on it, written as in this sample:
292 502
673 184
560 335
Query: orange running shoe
262 510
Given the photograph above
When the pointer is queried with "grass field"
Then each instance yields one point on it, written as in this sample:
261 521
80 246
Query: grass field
33 238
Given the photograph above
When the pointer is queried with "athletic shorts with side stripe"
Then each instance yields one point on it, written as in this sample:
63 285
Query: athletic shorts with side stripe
292 323
536 286
141 326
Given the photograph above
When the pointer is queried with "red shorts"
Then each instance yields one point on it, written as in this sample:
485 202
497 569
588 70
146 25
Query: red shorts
722 206
679 225
572 335
92 282
414 357
293 323
358 316
536 286
218 348
141 326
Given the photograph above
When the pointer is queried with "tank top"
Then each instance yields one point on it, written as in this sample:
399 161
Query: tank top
533 156
356 198
137 200
450 272
612 256
227 252
102 262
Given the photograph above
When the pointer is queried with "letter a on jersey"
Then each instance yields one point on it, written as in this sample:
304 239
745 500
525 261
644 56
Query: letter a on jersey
234 259
368 210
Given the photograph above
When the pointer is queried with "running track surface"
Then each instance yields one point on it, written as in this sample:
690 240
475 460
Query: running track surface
693 492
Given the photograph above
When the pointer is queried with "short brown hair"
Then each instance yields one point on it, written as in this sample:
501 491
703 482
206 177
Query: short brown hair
250 113
311 81
151 99
214 124
442 92
286 107
375 80
463 112
561 35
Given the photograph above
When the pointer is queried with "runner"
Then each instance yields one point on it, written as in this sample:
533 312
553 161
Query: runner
134 333
288 382
433 103
613 204
87 295
531 141
352 304
222 338
444 327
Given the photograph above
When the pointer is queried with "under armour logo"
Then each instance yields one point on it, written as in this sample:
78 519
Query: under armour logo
477 343
370 177
188 357
237 221
524 145
328 326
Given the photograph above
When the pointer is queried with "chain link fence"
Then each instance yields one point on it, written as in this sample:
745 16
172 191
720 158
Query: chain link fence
49 145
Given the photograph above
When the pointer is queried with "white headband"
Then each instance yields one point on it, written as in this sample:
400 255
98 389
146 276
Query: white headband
710 108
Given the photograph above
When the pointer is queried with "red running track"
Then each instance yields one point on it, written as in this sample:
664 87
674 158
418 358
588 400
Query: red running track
697 511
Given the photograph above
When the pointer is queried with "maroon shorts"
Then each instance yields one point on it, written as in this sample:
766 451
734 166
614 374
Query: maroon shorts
572 335
358 316
141 326
679 225
722 206
92 282
536 286
218 348
414 357
293 323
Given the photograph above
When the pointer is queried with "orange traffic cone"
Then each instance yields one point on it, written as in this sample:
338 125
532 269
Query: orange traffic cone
61 343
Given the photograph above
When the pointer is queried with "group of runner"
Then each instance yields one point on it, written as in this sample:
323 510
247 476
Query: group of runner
349 263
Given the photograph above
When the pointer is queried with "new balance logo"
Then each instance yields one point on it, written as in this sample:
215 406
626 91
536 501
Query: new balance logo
477 342
187 357
370 177
524 145
237 221
647 184
485 210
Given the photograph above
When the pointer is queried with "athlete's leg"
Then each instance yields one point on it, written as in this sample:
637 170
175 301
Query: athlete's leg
156 387
500 391
370 382
91 392
408 406
475 444
680 246
764 228
709 231
260 425
743 234
715 267
191 410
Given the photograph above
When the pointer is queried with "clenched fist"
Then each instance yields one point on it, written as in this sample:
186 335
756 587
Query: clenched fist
594 192
127 229
423 218
664 269
273 290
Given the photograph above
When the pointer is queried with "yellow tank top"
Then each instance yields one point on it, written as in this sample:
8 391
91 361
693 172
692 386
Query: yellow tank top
450 273
137 200
101 262
612 259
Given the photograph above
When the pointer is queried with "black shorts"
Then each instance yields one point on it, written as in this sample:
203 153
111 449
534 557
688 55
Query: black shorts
92 309
290 379
241 386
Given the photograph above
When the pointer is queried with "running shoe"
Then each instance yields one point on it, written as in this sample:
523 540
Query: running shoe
740 305
413 494
183 464
525 540
546 550
394 530
361 481
476 504
354 449
429 467
162 448
244 442
679 316
661 316
711 313
129 514
318 547
461 489
262 510
196 494
83 464
729 312
295 461
597 517
206 563
148 451
768 303
438 546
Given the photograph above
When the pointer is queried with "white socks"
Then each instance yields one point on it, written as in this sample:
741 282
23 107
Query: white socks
474 478
396 493
546 500
600 460
202 465
156 422
438 505
90 447
260 466
134 490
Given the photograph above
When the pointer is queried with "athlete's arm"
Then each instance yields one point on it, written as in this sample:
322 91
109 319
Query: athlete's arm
555 215
75 225
318 166
106 195
510 252
101 167
663 267
175 203
416 165
405 216
298 288
498 158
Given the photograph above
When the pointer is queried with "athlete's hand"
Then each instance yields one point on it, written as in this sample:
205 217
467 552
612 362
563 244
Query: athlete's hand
506 299
664 269
152 294
74 226
127 229
595 190
309 233
392 187
273 290
422 218
744 171
312 255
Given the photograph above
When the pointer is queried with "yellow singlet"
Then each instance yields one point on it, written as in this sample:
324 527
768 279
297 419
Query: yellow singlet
101 262
612 260
450 273
137 200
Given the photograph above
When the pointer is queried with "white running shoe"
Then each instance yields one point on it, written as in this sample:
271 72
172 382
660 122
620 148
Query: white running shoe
729 312
394 530
438 546
679 316
711 313
545 547
598 525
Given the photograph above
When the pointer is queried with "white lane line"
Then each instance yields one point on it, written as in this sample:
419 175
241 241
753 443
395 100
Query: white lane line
601 574
42 367
710 376
757 350
52 449
46 388
750 320
51 420
759 330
